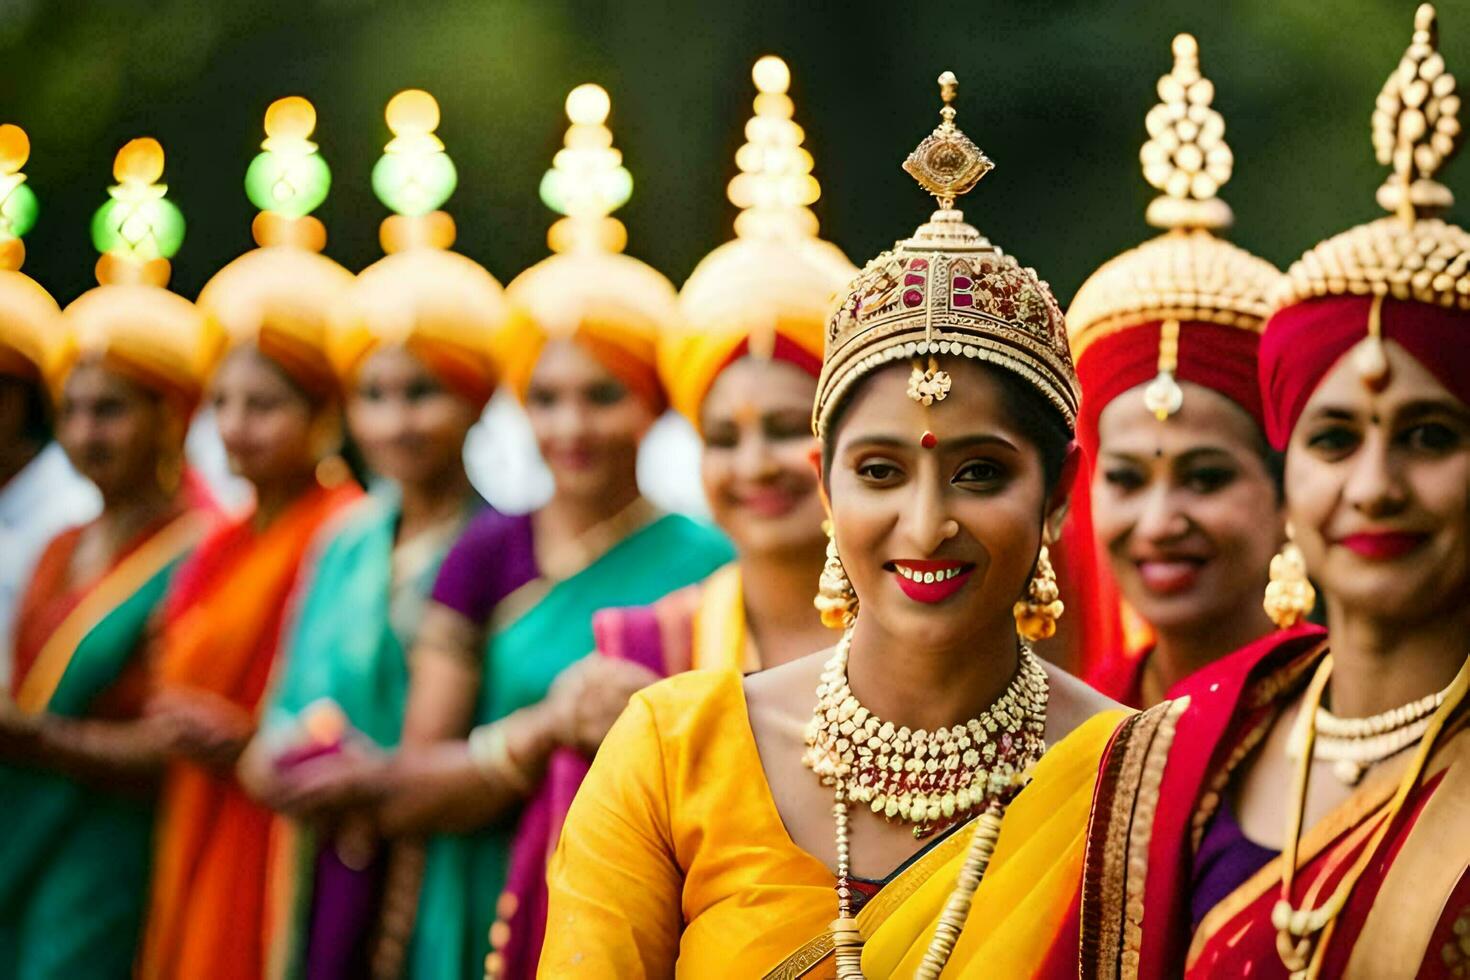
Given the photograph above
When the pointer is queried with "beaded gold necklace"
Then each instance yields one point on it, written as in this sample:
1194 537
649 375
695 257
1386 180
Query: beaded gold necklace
927 779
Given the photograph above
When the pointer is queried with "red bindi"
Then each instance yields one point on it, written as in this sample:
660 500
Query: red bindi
928 440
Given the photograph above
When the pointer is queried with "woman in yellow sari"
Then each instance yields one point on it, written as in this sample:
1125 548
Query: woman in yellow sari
712 837
741 365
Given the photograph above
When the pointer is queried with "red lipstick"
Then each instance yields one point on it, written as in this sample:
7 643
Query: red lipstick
931 580
1382 545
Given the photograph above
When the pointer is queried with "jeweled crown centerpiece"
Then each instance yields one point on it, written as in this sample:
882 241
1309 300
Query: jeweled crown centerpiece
947 290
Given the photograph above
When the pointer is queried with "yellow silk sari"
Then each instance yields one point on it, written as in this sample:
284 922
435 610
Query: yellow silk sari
674 859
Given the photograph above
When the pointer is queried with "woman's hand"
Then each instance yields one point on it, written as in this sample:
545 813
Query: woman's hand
200 726
328 785
589 696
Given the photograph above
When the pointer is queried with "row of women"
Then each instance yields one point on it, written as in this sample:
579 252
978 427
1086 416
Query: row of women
349 734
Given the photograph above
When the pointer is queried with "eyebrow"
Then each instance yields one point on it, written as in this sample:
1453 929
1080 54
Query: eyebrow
1188 456
1409 410
958 442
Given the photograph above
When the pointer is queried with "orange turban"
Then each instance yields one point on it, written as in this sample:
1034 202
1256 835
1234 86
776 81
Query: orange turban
444 308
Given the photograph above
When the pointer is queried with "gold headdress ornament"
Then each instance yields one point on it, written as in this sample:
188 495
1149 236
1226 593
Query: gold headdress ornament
1187 273
587 289
130 320
1413 254
279 295
776 278
947 290
441 305
28 314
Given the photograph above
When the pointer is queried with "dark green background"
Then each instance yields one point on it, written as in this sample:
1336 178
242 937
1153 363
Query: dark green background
1054 92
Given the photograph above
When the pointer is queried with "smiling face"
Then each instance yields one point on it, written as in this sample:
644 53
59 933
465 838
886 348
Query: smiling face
265 421
410 427
1186 508
756 464
1378 489
113 430
939 542
587 423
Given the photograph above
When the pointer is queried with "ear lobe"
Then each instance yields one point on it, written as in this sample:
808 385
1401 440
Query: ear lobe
1060 502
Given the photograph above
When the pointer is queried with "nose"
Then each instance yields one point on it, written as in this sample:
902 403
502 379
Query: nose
570 419
753 458
1159 516
1373 486
925 522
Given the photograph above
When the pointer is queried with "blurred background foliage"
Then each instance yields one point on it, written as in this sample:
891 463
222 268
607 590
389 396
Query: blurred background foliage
1055 92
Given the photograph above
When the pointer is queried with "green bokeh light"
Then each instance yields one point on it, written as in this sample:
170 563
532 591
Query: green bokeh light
290 184
414 184
142 230
595 193
18 212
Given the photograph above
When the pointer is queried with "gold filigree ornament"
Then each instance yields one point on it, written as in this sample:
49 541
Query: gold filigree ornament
1412 255
946 290
1188 274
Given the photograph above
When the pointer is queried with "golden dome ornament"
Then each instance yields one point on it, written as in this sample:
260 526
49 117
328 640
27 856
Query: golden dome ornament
1411 255
1188 274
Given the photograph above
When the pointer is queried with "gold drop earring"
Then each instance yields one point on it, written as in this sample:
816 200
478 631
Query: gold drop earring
1037 614
836 601
1290 597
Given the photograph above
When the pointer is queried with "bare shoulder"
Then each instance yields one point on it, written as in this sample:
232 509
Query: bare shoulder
1072 701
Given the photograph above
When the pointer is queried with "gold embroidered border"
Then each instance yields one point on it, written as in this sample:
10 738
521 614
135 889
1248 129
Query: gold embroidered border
1141 832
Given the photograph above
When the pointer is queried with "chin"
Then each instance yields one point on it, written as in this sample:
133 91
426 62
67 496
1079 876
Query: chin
763 535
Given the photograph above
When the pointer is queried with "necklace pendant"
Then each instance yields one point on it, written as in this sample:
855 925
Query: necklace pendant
1348 772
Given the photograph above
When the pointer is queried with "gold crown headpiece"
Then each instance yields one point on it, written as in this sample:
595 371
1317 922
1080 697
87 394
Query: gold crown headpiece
946 290
1187 273
1412 254
28 314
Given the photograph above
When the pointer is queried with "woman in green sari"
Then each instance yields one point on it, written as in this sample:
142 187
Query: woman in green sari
512 608
78 764
412 344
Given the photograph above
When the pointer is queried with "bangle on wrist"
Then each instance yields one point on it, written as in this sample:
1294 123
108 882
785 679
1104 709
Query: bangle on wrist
490 752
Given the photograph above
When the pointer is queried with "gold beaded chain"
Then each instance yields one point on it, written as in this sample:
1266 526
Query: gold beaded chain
1353 745
979 765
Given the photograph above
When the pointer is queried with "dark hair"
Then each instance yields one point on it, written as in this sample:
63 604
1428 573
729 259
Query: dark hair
37 427
1027 408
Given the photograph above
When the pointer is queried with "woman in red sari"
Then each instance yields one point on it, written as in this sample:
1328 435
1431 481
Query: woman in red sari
1313 817
1179 513
274 398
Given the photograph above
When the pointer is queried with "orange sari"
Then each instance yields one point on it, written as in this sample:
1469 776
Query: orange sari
224 616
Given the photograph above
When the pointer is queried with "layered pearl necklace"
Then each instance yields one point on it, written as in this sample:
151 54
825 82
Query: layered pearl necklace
930 780
1353 745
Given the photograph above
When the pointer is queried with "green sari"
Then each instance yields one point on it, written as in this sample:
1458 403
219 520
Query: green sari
74 859
464 875
348 644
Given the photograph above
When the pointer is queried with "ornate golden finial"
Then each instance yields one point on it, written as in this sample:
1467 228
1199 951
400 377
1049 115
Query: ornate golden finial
18 205
1186 156
947 163
775 187
587 181
414 176
1416 125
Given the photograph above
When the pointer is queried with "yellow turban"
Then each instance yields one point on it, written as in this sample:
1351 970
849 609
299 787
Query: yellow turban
769 291
30 327
280 298
612 305
446 309
152 336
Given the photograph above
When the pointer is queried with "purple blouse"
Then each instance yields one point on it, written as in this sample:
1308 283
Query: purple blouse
1226 860
491 559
